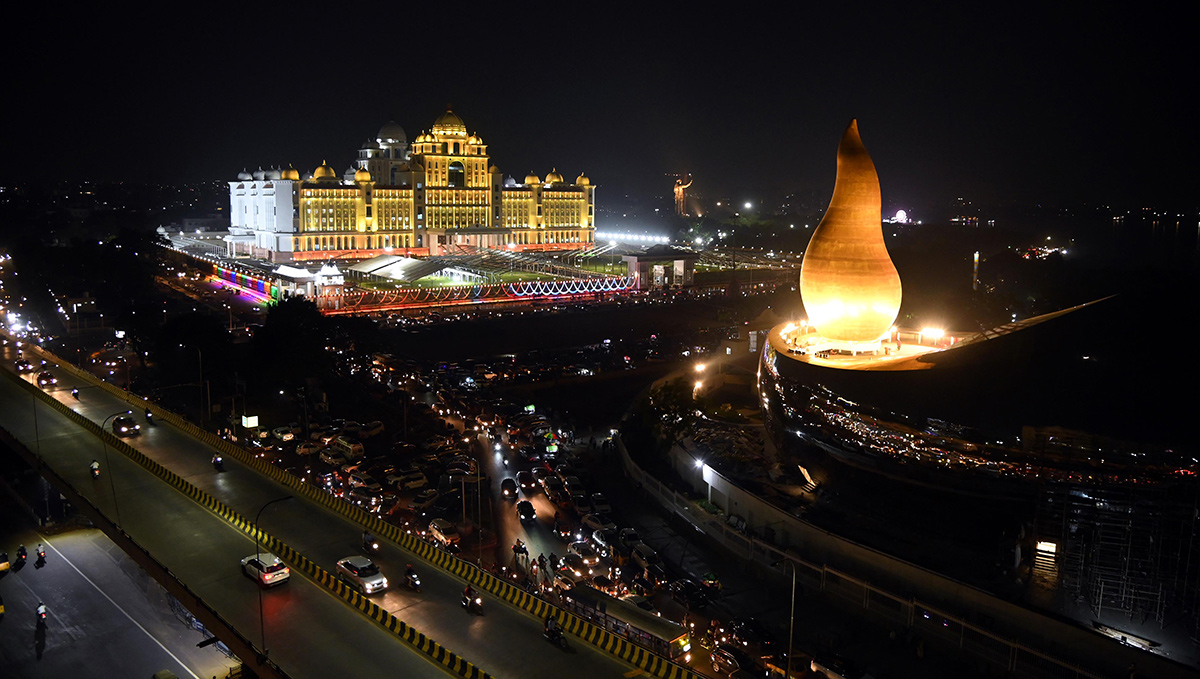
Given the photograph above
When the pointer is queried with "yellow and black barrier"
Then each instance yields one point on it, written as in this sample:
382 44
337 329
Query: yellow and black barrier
613 644
450 660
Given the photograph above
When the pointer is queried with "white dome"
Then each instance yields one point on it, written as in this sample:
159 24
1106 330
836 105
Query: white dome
392 133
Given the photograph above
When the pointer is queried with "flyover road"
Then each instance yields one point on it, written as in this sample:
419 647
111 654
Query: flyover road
105 617
303 623
309 632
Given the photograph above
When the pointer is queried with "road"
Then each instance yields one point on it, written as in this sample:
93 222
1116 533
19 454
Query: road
308 630
105 617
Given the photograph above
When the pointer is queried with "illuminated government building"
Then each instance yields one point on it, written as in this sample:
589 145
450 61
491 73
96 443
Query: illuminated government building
439 193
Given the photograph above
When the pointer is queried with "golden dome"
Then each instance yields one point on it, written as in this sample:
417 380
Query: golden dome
449 123
494 170
474 140
848 284
531 179
362 175
554 177
582 180
324 172
291 173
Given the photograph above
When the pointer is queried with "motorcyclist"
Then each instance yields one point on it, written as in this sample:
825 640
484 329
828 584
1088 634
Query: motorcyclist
95 467
149 415
218 461
410 572
75 393
551 626
41 611
21 553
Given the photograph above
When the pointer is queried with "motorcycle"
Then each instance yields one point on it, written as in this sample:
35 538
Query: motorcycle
473 603
149 416
95 472
556 637
41 554
41 614
218 463
21 554
370 545
413 582
75 393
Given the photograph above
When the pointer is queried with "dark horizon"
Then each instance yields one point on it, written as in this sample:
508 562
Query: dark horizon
1056 108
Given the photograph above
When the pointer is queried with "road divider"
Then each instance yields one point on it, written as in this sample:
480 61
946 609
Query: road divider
605 640
451 661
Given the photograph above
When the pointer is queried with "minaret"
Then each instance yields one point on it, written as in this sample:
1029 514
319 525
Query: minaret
848 284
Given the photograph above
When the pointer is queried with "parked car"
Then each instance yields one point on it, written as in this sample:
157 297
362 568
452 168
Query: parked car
307 448
600 504
644 556
371 429
834 667
598 522
628 537
729 659
283 433
581 504
425 498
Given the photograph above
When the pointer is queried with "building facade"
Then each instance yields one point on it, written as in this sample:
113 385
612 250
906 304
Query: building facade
427 198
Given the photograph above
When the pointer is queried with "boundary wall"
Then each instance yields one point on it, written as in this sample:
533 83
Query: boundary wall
931 620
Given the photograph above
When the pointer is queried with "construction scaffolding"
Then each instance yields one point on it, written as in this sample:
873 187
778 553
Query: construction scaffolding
1125 549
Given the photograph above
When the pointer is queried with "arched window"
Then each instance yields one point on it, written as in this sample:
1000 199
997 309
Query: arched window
456 175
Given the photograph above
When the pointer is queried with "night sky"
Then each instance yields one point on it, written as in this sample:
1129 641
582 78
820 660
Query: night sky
1006 105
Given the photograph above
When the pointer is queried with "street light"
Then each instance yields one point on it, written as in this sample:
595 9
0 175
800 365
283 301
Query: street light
261 625
203 390
111 484
792 621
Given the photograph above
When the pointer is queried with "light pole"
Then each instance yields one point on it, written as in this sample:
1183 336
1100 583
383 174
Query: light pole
203 389
261 625
787 672
111 483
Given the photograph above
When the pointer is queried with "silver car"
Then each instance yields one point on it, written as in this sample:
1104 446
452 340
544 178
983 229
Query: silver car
362 574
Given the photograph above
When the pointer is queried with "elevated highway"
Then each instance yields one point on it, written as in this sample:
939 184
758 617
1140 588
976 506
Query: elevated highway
308 630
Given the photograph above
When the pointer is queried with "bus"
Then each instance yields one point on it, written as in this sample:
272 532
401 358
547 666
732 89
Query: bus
663 637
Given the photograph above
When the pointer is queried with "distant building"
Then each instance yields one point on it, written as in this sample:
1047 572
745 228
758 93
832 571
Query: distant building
423 199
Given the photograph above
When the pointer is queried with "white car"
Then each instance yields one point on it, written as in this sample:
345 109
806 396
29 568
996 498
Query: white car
600 504
333 457
598 522
443 531
265 569
371 429
283 433
413 481
644 556
362 574
307 448
585 552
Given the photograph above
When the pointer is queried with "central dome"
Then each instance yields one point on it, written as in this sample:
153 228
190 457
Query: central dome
392 133
449 123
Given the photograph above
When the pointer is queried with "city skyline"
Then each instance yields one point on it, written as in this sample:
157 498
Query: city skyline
953 104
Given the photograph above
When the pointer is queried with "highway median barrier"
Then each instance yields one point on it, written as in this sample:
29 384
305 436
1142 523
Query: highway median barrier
451 661
612 643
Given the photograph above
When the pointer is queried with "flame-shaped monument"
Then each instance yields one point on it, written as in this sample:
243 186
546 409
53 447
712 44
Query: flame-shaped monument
849 286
